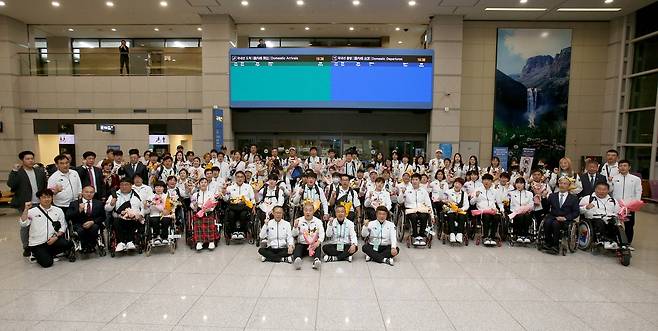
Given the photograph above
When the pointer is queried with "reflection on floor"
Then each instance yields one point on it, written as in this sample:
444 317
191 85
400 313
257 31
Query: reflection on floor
471 287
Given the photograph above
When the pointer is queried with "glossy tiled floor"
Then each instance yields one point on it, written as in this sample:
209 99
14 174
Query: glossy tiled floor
471 288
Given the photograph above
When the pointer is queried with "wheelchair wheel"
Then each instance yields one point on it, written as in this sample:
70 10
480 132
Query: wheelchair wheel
625 257
399 221
504 228
573 238
539 241
584 233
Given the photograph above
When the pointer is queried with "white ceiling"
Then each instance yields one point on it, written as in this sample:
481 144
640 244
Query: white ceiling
286 11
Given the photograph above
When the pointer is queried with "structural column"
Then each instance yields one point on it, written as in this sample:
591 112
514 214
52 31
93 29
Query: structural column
219 35
447 37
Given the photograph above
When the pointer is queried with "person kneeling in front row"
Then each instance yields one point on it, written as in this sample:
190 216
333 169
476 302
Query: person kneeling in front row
382 243
47 229
343 242
278 235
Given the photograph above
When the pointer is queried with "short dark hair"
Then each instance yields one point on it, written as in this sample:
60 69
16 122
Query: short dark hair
183 169
22 154
535 170
384 209
59 158
459 180
127 180
215 168
379 180
168 157
519 180
505 174
109 150
487 176
189 153
313 148
240 172
119 153
159 183
416 175
612 151
273 176
339 206
603 184
311 175
45 192
172 177
625 161
88 154
133 151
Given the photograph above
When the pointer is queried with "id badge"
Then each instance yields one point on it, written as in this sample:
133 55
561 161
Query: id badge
340 247
375 244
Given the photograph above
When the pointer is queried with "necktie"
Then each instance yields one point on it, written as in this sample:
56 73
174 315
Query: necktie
134 168
561 199
91 178
88 207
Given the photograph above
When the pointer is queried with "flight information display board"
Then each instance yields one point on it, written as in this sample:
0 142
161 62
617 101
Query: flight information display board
362 78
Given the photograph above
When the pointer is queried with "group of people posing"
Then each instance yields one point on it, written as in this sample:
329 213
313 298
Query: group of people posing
316 206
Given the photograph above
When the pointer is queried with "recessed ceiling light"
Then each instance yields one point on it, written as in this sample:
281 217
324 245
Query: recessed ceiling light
113 29
609 1
351 28
70 29
356 2
262 28
544 34
523 1
156 29
306 28
400 42
412 3
55 3
109 3
164 4
245 3
589 9
199 29
300 2
397 28
513 9
2 4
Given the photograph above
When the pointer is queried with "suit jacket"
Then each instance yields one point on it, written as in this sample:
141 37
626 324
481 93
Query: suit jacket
570 208
86 181
19 184
588 185
127 171
78 218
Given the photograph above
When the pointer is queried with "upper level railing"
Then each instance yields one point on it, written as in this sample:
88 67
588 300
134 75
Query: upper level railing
101 62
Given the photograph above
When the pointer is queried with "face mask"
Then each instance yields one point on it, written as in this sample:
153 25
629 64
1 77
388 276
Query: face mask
335 180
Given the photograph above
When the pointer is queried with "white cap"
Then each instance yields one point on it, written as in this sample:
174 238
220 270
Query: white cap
438 151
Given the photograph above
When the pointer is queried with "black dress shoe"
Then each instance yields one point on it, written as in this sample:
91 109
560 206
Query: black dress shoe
26 252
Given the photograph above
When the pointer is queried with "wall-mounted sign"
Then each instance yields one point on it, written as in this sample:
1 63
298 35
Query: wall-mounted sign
66 139
105 127
158 139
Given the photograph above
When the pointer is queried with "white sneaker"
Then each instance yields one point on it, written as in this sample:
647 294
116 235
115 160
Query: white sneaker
316 263
289 259
120 247
452 238
298 263
389 261
199 246
631 248
165 242
211 246
157 242
519 239
488 242
367 258
422 242
130 246
526 240
262 259
234 235
240 236
349 259
325 258
460 238
607 245
613 245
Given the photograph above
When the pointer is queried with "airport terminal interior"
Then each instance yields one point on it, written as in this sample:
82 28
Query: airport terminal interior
328 165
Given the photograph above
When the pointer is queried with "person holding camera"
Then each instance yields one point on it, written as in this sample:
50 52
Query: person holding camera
47 228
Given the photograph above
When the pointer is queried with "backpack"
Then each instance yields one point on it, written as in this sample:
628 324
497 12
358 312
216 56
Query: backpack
276 192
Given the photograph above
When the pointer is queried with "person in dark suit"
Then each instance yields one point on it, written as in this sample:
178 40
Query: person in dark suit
91 175
134 167
563 208
87 215
590 178
25 180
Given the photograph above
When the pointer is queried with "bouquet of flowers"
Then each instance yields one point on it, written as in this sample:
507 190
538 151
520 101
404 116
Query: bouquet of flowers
347 205
311 237
316 204
629 207
451 206
478 212
129 214
522 210
207 207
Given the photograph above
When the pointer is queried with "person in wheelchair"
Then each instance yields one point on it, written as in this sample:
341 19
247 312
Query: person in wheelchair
311 191
375 198
342 242
309 232
418 209
127 211
269 197
161 214
240 197
277 234
47 229
486 198
382 245
179 194
457 216
563 208
601 211
522 204
87 216
348 197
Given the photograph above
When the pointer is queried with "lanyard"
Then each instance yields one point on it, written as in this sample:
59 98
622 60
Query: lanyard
341 231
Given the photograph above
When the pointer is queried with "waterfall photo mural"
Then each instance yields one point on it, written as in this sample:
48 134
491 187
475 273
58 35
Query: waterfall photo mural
532 91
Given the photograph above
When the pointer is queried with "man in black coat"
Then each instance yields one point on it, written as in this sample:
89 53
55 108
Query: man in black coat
91 175
25 180
87 216
134 167
590 178
563 208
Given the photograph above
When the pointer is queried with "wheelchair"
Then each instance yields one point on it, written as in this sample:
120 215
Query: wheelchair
150 242
568 238
443 228
404 224
99 248
476 229
251 231
595 243
138 238
533 231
